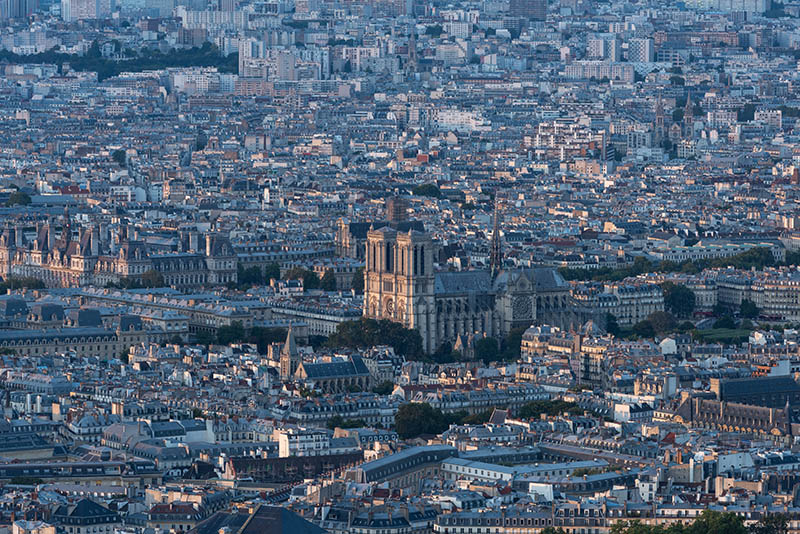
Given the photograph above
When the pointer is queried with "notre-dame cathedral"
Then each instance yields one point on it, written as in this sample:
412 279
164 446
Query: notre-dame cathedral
400 284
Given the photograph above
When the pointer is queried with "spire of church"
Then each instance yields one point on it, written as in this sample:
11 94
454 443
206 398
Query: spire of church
688 110
289 356
290 346
660 125
496 247
411 64
688 117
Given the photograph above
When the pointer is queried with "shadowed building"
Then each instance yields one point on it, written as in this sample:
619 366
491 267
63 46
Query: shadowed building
337 376
529 9
725 416
259 520
769 391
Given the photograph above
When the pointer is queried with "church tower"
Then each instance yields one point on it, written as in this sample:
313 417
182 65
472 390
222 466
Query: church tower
688 118
290 356
496 245
411 64
399 281
659 127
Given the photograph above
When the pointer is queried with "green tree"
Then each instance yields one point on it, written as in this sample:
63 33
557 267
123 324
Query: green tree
262 337
434 30
726 321
201 141
272 272
337 421
678 299
207 55
309 278
328 281
711 522
249 276
612 327
479 418
486 349
771 524
535 409
644 329
384 388
364 333
445 354
747 113
358 280
119 157
94 50
757 257
749 309
204 338
21 282
427 190
663 322
233 333
414 419
18 198
511 346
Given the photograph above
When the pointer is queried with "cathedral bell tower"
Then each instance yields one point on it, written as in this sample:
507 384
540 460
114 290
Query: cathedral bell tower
399 281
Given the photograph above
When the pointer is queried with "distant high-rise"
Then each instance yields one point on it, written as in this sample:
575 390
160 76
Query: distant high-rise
604 46
17 9
641 51
73 10
530 9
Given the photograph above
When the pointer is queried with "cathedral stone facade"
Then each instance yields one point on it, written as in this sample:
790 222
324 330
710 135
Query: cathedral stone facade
400 284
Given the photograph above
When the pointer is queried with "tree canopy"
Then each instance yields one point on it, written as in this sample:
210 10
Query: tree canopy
328 281
358 280
414 419
535 409
757 257
365 332
749 309
427 190
18 198
310 278
709 522
678 299
259 336
21 282
207 55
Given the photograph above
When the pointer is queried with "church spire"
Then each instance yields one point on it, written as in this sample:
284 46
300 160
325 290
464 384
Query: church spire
411 64
688 117
496 247
660 126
